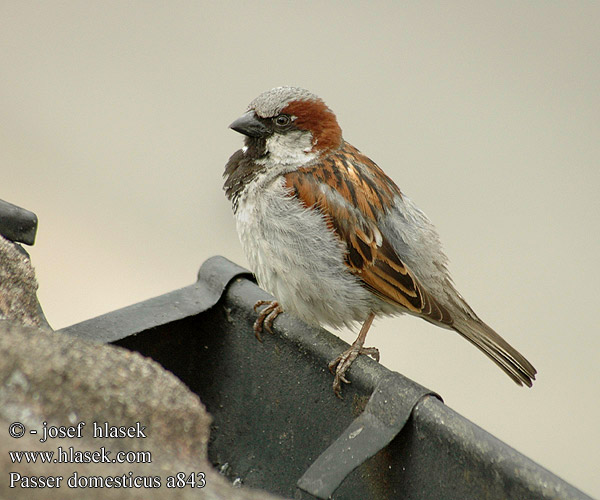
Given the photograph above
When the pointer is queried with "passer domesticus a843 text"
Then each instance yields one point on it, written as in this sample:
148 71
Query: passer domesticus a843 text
333 238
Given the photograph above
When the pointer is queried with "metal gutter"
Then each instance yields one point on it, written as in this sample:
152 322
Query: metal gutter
279 427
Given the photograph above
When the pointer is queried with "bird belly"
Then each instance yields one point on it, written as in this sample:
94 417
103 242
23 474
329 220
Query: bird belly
297 258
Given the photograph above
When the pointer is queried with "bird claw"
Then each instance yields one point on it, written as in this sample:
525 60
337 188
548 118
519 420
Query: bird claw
266 317
261 303
371 351
340 365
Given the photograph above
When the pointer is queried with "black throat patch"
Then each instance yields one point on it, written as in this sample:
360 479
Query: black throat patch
242 169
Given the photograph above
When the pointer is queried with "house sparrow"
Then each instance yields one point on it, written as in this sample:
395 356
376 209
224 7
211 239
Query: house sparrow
331 236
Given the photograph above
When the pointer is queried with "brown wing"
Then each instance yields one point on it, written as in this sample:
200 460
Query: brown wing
350 190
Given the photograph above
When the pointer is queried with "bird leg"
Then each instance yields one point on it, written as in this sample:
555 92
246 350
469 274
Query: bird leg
266 317
344 360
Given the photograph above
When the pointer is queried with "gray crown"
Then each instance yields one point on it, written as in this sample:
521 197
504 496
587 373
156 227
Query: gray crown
271 102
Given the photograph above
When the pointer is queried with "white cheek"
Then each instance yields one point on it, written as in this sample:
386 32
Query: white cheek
293 148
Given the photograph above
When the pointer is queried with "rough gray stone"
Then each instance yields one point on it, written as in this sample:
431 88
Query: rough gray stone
50 377
18 286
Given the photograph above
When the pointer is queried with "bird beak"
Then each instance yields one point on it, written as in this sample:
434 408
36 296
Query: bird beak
248 124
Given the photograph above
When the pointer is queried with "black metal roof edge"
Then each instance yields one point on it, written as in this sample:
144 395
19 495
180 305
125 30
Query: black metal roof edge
17 224
218 274
460 434
389 408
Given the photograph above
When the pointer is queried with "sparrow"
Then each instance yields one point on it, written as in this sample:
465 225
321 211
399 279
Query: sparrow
333 238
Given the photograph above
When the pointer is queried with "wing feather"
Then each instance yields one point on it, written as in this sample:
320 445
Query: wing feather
349 190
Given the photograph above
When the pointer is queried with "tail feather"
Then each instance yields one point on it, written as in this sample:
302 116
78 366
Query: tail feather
497 349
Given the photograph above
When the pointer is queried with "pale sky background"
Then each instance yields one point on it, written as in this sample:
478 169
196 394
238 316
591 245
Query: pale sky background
113 129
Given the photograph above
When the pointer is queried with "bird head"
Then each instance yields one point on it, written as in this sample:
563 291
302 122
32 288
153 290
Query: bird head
289 126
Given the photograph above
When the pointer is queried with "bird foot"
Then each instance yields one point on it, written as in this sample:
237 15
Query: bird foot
340 365
266 317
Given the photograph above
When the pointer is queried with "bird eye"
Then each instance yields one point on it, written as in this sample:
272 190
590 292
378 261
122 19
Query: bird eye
282 121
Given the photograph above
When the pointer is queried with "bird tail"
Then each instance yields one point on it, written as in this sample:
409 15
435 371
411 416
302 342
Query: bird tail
497 349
